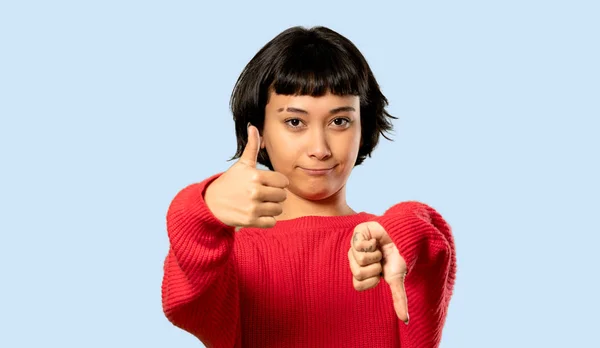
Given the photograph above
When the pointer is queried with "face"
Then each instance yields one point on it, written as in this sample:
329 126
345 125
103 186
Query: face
314 141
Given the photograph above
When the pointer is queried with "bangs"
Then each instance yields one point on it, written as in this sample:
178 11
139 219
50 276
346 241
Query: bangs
313 69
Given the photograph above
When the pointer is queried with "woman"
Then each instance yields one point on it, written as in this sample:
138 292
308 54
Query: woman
277 258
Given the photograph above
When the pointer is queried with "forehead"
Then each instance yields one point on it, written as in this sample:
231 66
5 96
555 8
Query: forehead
312 104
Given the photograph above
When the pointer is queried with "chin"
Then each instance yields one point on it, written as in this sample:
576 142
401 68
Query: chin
315 193
316 196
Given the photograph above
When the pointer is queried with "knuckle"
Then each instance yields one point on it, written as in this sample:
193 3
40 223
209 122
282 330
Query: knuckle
351 257
255 176
363 285
362 260
377 256
254 192
254 211
251 212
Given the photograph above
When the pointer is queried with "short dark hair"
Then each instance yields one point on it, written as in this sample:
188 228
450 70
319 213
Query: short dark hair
308 61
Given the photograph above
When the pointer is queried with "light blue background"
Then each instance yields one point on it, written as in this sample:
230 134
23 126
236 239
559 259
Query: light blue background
110 107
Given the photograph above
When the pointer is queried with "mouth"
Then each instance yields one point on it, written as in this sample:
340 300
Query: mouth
318 171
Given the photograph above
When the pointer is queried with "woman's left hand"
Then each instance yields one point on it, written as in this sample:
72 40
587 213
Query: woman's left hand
373 254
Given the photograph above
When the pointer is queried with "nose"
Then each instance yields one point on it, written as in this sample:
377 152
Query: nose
318 146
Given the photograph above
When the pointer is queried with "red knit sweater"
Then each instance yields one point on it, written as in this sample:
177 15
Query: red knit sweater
291 285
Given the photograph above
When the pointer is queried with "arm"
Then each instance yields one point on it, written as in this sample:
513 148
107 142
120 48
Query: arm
425 241
199 289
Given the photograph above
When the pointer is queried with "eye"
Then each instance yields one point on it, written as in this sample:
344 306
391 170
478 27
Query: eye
294 122
341 122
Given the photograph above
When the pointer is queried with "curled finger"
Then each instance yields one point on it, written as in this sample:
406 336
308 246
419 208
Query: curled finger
363 272
362 285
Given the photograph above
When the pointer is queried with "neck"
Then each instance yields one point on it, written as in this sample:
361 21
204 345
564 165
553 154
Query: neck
335 205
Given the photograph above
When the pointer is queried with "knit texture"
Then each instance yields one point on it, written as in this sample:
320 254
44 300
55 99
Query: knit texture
291 285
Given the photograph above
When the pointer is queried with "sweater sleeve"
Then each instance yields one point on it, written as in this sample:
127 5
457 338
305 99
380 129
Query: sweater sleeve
199 287
426 243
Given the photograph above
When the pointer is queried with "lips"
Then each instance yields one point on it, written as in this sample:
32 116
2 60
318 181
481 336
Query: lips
317 171
321 168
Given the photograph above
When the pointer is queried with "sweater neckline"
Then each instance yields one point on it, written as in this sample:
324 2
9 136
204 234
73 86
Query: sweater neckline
323 221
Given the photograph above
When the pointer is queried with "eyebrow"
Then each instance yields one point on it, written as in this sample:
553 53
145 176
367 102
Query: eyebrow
331 112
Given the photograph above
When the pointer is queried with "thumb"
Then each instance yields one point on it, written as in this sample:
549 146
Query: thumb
250 154
399 297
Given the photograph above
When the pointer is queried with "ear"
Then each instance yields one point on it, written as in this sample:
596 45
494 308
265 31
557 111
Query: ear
262 138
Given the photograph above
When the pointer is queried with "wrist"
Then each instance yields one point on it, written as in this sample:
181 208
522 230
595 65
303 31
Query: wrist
211 198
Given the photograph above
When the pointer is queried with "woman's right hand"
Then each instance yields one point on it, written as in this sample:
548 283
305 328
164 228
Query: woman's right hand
245 196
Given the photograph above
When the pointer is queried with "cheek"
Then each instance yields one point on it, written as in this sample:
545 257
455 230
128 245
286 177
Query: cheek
282 151
348 146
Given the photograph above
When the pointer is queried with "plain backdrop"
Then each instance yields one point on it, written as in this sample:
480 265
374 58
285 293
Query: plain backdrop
109 108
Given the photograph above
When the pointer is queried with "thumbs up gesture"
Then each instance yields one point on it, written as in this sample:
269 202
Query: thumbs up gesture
373 254
245 196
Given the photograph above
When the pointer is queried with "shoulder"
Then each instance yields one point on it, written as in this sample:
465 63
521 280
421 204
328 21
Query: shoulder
415 211
411 206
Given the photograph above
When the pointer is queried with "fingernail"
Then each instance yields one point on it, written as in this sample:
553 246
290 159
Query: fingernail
407 319
248 126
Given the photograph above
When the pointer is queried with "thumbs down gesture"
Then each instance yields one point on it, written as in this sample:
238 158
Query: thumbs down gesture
373 256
